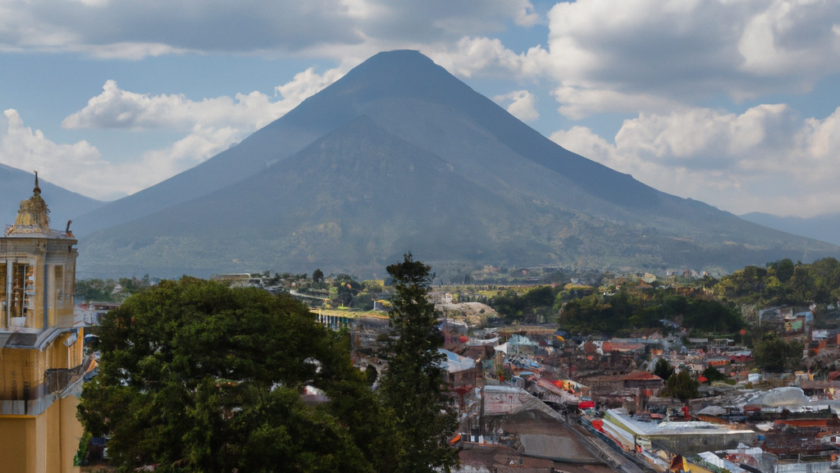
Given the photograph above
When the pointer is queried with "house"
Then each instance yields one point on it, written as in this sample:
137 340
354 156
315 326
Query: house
740 357
461 371
440 297
601 385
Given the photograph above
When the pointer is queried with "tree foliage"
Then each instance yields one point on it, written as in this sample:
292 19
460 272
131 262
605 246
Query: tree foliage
610 314
413 384
663 369
199 377
773 354
681 386
712 374
527 307
99 290
783 282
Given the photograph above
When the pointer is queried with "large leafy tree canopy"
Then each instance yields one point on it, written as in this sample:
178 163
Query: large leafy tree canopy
413 384
612 314
681 386
773 354
195 376
527 307
783 282
663 369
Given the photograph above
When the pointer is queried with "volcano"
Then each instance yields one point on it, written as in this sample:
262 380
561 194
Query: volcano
397 156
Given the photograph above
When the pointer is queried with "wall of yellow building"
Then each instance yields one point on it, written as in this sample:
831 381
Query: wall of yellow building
16 444
43 444
71 432
691 467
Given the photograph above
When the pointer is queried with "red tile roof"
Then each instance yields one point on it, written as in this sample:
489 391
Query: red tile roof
616 346
640 376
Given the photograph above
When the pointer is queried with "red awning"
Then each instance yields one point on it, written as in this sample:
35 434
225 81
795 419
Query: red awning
752 408
586 405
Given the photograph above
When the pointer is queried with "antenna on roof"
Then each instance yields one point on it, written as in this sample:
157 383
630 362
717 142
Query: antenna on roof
37 189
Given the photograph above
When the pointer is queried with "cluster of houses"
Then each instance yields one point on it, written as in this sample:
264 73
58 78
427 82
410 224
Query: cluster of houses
539 400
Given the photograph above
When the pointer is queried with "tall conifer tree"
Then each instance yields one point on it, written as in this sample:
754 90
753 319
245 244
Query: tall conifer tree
413 384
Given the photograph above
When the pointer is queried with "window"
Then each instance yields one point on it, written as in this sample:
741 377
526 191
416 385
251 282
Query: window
59 287
23 295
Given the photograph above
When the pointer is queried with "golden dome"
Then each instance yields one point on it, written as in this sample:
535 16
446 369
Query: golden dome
33 215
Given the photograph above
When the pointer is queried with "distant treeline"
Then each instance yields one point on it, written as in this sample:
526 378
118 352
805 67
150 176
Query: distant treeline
783 283
584 312
624 311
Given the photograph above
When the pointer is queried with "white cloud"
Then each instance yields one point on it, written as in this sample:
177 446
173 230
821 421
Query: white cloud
118 108
486 56
653 55
133 29
767 158
81 168
520 104
211 126
577 103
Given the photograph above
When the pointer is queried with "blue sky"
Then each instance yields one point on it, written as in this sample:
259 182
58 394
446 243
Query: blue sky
733 102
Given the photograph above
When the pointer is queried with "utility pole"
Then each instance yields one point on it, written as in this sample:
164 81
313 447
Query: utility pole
481 418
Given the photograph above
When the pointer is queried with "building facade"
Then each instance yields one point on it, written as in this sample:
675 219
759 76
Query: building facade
41 349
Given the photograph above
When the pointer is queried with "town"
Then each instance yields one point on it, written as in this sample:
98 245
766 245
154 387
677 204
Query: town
361 236
534 390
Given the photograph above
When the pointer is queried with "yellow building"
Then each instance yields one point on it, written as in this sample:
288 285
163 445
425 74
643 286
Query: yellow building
41 356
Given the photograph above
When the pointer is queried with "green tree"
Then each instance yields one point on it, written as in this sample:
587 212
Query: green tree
525 308
413 384
371 374
199 377
783 269
776 355
663 369
681 386
89 290
318 275
712 374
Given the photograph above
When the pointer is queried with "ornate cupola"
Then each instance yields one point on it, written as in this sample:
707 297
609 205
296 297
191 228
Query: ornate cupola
37 269
41 345
33 215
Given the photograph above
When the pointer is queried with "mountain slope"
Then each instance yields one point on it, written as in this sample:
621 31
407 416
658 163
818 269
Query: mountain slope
822 227
395 75
16 185
360 197
330 185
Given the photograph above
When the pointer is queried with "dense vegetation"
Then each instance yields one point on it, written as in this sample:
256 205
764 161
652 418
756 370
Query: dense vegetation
681 386
110 290
527 307
196 376
776 355
177 356
623 311
783 282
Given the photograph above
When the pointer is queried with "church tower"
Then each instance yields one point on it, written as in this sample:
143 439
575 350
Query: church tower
41 348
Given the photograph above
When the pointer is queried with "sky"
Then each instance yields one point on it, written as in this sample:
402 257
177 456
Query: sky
732 102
